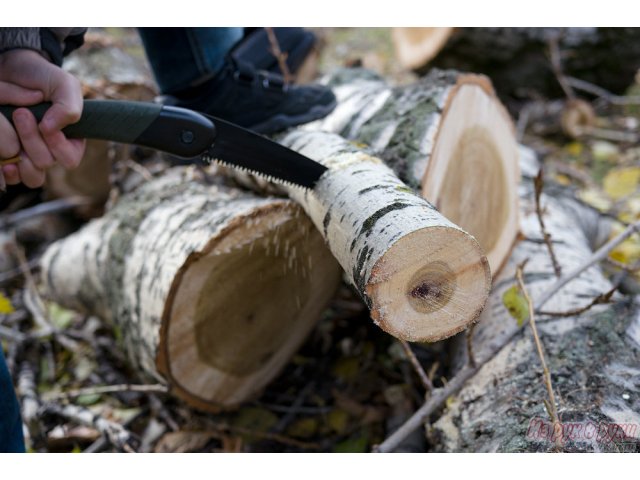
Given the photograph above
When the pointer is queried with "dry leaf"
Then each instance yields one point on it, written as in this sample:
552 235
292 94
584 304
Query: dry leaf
5 305
621 182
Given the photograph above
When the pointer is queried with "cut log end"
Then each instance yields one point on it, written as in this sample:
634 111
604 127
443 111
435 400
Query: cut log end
425 294
240 308
416 46
475 161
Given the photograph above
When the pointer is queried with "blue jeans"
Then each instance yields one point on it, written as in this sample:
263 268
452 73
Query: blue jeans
185 57
11 439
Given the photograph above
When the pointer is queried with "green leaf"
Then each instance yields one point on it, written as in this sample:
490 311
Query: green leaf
516 304
338 420
88 399
61 317
255 419
346 369
5 305
355 444
303 428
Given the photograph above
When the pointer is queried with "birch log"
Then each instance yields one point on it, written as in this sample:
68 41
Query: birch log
212 289
446 135
422 277
517 59
593 357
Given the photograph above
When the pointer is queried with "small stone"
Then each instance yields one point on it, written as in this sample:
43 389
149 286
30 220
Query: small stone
626 396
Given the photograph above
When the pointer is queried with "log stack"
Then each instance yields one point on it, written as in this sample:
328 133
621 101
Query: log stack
213 290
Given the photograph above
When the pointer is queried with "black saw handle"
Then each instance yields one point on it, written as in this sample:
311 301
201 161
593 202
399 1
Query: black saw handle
174 130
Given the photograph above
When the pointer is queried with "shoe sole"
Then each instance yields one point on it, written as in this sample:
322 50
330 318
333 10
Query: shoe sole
281 122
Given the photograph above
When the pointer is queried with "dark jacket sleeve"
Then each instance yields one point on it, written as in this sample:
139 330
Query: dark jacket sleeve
53 42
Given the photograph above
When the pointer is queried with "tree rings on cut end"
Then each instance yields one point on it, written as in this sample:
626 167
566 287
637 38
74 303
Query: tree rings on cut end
473 174
244 304
431 284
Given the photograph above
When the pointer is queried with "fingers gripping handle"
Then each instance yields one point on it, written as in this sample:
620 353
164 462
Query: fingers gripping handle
173 130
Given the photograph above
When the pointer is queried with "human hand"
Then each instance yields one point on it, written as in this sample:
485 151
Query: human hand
27 78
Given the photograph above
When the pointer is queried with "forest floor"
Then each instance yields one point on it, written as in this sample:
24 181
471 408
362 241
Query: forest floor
350 385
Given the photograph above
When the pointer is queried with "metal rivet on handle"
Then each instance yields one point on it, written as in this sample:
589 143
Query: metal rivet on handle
187 136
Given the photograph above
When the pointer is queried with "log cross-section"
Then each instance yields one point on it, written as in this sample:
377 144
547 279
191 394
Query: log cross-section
422 277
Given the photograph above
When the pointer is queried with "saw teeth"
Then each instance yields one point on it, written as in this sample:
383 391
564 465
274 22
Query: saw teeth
264 176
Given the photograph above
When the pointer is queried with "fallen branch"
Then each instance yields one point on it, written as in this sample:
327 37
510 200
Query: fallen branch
114 432
426 382
99 390
538 183
598 256
551 404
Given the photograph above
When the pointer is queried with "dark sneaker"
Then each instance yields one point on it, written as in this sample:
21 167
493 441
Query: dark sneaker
296 43
257 100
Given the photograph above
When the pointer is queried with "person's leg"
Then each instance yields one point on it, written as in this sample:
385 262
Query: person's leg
11 439
195 70
185 57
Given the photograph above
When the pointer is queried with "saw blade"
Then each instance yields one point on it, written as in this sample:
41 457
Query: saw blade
240 148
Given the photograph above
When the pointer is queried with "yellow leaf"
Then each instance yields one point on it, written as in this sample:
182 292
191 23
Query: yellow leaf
628 251
596 199
517 305
621 182
562 179
5 305
574 149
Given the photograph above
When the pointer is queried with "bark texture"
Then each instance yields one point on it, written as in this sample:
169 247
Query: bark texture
203 283
422 277
593 357
447 136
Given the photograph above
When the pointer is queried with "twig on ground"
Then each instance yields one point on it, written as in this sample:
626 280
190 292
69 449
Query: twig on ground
551 404
28 394
471 358
601 92
54 206
538 183
607 134
224 428
34 304
11 334
99 390
426 382
597 256
623 266
158 407
114 432
599 300
556 65
280 55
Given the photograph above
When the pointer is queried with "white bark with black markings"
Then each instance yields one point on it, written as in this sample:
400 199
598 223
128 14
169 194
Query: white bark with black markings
447 136
422 276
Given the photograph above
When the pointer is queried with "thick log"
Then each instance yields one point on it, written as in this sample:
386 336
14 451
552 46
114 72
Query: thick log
517 59
446 135
423 278
212 289
593 357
